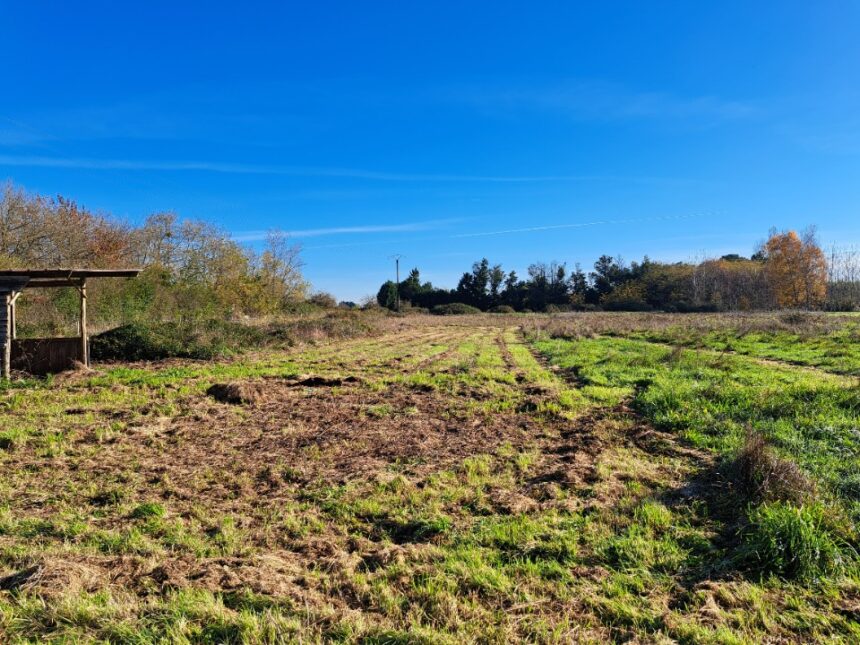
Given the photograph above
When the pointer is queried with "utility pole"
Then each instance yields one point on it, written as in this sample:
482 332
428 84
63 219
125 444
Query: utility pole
396 257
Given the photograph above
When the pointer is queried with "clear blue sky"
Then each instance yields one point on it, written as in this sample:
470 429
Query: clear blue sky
672 129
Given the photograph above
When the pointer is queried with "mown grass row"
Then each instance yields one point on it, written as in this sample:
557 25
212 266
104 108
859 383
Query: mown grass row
836 351
715 402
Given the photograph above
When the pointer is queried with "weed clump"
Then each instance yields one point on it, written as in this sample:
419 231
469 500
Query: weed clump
760 475
794 542
148 510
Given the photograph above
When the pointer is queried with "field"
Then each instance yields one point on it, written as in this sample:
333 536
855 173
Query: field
587 478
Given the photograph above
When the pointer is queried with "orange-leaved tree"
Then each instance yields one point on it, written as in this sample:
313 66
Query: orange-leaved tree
796 269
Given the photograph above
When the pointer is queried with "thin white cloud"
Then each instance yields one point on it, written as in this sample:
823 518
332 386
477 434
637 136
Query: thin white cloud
602 101
263 169
256 236
530 229
552 227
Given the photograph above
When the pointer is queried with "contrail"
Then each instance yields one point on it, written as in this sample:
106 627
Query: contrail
256 236
531 229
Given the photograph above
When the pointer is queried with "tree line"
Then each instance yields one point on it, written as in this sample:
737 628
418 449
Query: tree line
789 270
191 268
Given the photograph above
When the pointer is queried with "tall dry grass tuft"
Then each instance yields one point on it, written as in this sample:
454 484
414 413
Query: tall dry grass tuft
760 475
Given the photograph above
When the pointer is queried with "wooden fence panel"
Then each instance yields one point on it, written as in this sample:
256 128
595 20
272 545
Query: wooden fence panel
45 355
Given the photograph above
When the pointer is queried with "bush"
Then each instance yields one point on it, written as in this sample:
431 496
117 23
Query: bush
323 299
209 339
626 304
844 305
794 542
156 341
454 309
798 318
336 324
502 309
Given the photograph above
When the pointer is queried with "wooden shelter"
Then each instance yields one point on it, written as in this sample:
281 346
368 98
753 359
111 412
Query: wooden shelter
45 355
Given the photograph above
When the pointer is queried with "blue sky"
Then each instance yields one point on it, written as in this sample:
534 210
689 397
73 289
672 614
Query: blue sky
444 131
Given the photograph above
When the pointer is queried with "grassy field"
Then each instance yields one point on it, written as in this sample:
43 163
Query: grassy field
585 478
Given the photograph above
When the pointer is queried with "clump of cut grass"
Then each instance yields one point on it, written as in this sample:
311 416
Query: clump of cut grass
147 510
795 542
108 496
760 475
236 393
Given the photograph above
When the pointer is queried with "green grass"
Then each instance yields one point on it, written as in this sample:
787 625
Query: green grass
836 351
592 522
712 400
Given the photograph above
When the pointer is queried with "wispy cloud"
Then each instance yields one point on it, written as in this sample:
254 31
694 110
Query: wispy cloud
411 227
266 169
80 163
511 231
552 227
601 101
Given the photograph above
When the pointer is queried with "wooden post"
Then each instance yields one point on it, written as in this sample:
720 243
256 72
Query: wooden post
13 310
85 354
5 335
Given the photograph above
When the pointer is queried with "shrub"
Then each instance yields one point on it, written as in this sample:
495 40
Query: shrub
209 339
156 341
454 309
335 324
323 299
794 542
797 318
502 309
626 304
842 304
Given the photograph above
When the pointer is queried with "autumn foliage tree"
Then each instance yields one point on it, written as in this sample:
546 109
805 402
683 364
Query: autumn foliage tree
191 269
796 269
